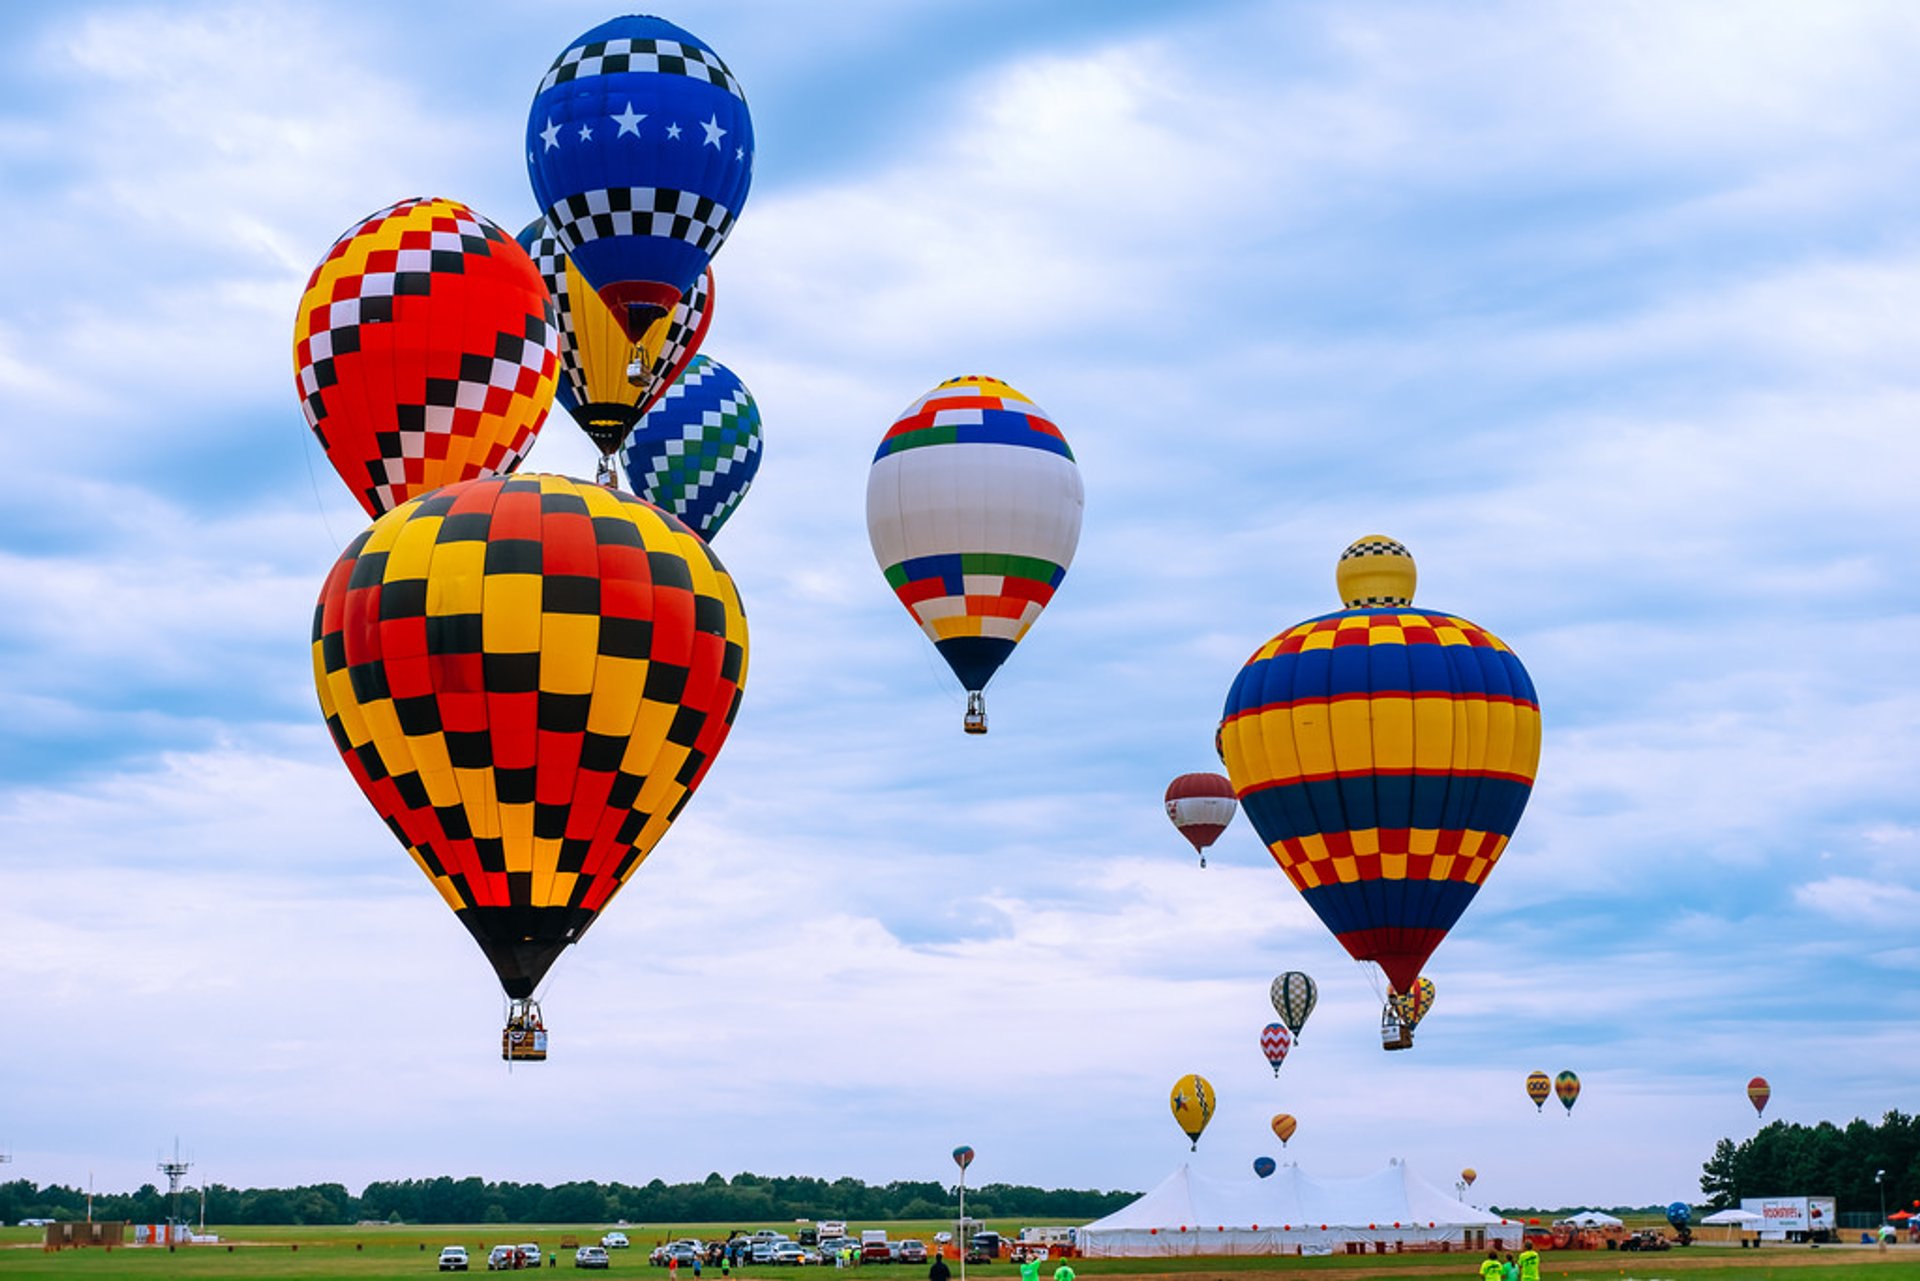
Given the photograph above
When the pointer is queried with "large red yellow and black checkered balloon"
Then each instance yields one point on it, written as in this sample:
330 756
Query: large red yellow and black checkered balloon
528 677
425 352
1384 754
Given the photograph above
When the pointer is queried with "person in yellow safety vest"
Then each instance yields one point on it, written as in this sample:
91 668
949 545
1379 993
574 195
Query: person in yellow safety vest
1491 1269
1529 1264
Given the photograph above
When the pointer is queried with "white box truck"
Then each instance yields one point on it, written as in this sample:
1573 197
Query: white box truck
1794 1218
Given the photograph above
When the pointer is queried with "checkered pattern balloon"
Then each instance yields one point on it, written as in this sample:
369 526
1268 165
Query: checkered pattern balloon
640 150
1566 1088
973 509
1294 995
1275 1041
696 451
1192 1101
1413 1006
425 352
1384 755
528 678
598 385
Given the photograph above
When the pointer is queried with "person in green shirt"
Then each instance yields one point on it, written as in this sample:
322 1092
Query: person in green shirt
1030 1269
1529 1264
1063 1273
1491 1269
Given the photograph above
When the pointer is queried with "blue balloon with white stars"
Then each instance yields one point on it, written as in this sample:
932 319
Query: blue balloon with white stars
640 148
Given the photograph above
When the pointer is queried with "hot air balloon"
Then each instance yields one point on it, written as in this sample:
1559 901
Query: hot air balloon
696 451
1566 1088
1758 1092
1283 1127
1679 1214
973 509
528 677
640 150
1468 1175
1201 806
1192 1103
1384 754
608 380
963 1156
425 352
1539 1088
1264 1166
1275 1041
1413 1006
1294 995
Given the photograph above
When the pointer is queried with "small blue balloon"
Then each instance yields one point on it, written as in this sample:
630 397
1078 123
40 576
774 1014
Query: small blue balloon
1679 1214
695 452
1263 1166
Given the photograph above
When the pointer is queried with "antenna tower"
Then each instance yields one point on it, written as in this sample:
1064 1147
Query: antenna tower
175 1170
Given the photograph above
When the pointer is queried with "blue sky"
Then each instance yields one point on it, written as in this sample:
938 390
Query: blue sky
1605 311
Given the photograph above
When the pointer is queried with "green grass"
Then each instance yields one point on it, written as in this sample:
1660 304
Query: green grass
379 1252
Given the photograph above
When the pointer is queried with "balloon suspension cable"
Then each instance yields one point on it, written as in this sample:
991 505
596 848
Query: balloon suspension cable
976 719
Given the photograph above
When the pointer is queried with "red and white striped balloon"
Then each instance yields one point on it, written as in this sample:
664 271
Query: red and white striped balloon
1201 806
1275 1041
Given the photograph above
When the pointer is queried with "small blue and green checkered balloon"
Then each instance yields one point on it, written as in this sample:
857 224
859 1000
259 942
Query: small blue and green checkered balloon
695 452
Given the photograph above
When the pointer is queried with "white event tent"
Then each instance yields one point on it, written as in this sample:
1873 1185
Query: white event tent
1593 1219
1292 1212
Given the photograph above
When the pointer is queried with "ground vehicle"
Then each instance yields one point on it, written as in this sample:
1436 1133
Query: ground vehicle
1794 1218
761 1251
983 1247
500 1258
614 1241
590 1256
832 1228
453 1259
1647 1239
790 1252
874 1247
912 1251
529 1254
681 1252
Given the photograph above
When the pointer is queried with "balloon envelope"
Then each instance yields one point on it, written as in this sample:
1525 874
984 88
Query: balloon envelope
1679 1214
528 677
1384 754
1275 1041
1263 1166
696 452
1201 806
640 150
1294 995
1192 1102
963 1156
1539 1089
598 383
1283 1127
1468 1175
1413 1006
1566 1088
973 510
1758 1092
425 352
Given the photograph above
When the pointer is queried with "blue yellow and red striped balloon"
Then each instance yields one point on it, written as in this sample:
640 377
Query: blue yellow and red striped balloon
1384 754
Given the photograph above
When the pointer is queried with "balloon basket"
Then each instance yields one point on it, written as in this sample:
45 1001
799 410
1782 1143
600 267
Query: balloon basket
1394 1034
524 1039
976 721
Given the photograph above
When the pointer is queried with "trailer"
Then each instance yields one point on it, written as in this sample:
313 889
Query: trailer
1799 1219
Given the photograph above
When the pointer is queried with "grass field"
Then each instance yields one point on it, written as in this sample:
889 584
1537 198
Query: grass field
263 1253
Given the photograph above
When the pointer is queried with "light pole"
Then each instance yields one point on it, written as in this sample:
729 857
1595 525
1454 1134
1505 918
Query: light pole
1880 1178
1460 1186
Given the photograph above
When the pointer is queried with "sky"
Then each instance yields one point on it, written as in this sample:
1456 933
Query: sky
1605 311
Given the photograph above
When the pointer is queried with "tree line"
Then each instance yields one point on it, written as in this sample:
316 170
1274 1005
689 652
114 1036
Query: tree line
1788 1159
747 1199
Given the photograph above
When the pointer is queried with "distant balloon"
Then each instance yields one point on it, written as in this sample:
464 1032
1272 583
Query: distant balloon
1384 753
425 352
1758 1092
640 151
1294 995
1201 806
973 511
1275 1041
1679 1214
1263 1166
963 1156
1192 1103
696 452
1413 1006
1468 1175
1283 1127
1566 1088
1539 1089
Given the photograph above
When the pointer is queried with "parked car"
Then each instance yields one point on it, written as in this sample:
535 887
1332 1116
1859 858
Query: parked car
790 1252
453 1259
761 1251
912 1251
614 1241
682 1252
876 1251
984 1247
501 1257
529 1254
590 1256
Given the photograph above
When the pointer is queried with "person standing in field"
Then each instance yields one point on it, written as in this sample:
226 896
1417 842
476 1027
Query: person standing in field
1063 1273
1509 1270
1529 1262
1029 1268
1492 1269
939 1271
